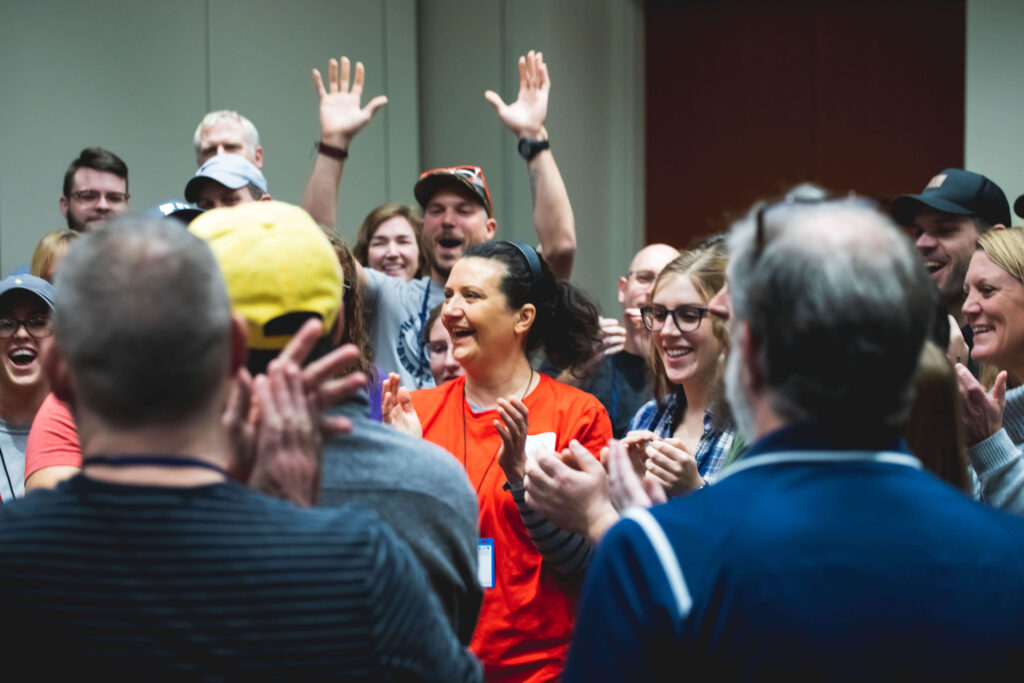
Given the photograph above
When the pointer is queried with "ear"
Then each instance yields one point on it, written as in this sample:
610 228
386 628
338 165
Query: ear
524 319
257 157
622 289
265 198
56 369
999 226
239 348
491 226
64 206
753 377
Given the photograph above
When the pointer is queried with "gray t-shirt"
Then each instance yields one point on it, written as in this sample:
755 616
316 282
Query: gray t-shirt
396 311
13 439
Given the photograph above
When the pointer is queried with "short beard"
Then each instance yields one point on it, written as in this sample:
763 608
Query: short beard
737 397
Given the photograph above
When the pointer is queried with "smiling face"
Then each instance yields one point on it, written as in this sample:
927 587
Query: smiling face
946 242
686 356
440 353
22 366
393 249
453 220
994 308
475 311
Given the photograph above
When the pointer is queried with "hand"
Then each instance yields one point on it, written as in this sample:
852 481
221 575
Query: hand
635 443
983 413
526 115
288 453
571 491
634 317
341 115
397 409
324 376
613 340
956 351
673 467
627 489
514 423
240 429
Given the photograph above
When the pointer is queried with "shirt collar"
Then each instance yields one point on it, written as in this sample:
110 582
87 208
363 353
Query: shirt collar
814 435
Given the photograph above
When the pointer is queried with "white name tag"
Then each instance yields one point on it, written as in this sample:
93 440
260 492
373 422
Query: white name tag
485 562
535 441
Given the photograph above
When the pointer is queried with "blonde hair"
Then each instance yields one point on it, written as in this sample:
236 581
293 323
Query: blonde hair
1004 248
49 252
706 270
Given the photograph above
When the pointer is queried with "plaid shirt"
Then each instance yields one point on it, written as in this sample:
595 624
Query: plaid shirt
712 448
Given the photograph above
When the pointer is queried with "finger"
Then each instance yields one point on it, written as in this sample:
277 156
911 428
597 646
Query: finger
375 104
343 77
270 420
523 80
405 400
304 411
332 75
666 463
318 83
654 490
495 99
543 77
331 365
666 478
582 458
673 444
999 389
239 399
331 425
503 432
357 82
337 391
299 347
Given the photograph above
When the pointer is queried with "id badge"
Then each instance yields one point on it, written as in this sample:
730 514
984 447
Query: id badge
485 562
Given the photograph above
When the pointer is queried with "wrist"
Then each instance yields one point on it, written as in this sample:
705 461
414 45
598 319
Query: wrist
339 140
605 517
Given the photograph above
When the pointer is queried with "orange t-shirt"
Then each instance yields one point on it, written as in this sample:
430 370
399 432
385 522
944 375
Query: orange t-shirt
53 439
526 620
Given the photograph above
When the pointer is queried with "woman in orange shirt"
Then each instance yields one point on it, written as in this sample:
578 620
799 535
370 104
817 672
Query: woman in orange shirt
501 304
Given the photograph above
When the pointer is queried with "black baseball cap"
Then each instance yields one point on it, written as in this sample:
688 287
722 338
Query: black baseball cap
959 192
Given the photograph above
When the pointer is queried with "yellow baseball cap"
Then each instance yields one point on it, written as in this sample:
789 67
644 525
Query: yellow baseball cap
279 267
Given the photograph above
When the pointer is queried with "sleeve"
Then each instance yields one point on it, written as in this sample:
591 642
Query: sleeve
627 623
53 440
566 553
593 429
414 640
999 465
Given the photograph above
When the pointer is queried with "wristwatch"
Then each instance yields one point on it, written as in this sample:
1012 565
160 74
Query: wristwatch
528 148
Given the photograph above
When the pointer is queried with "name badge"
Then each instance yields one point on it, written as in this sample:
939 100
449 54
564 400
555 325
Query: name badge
485 562
535 441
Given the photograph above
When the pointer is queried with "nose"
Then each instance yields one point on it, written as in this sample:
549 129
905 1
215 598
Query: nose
449 358
925 242
392 249
102 202
971 306
220 149
22 331
721 304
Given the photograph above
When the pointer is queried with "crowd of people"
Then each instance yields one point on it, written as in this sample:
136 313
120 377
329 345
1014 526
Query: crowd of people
233 446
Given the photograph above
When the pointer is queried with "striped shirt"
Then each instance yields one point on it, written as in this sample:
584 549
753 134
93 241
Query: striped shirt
216 582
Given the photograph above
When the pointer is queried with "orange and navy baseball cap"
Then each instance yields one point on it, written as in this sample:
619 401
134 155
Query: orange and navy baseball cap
468 177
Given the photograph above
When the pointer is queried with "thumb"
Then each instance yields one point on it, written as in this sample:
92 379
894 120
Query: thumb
375 104
405 400
495 99
999 389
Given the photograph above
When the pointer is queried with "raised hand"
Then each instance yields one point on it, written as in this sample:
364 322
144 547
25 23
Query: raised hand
983 412
525 117
397 409
341 112
673 467
514 423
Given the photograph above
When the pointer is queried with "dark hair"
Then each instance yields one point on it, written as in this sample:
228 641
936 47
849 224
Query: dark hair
97 159
355 331
435 313
386 212
566 325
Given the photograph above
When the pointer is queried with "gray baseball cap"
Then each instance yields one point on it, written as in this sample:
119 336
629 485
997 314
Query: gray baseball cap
230 170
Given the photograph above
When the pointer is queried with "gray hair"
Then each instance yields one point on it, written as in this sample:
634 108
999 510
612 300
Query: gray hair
143 319
838 304
250 135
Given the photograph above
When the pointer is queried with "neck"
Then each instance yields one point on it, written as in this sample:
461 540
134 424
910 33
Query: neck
637 337
19 404
200 439
509 380
696 397
437 277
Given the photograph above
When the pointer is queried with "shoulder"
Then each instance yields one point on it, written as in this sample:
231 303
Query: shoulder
645 416
448 396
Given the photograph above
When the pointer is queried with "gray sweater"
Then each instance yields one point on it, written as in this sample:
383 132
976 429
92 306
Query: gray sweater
423 493
998 460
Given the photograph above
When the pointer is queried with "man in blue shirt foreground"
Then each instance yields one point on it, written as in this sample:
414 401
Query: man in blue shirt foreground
825 551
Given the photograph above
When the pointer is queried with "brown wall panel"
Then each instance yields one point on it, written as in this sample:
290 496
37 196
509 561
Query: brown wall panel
747 98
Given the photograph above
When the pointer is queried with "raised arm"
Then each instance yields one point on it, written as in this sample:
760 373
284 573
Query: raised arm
341 117
552 212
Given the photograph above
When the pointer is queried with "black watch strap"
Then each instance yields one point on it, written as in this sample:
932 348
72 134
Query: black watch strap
528 148
331 151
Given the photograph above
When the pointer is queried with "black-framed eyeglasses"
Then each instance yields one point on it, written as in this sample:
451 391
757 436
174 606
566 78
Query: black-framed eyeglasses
38 326
92 196
686 318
